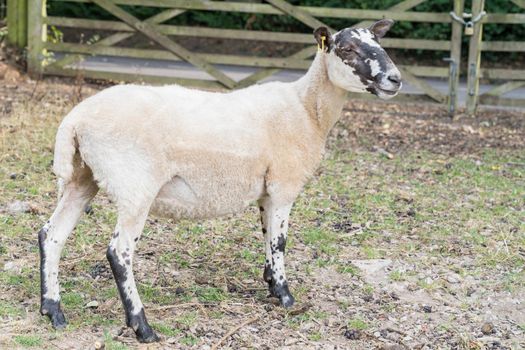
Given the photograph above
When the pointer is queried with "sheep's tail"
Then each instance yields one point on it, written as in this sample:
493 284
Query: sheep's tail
65 149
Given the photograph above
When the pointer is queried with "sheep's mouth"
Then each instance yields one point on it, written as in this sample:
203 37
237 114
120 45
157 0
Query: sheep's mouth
387 92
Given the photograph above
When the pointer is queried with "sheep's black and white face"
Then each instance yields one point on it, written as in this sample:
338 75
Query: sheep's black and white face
356 62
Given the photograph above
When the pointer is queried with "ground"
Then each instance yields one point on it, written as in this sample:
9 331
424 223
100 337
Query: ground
410 236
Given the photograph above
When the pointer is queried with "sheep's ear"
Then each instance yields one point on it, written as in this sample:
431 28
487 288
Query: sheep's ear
380 28
324 38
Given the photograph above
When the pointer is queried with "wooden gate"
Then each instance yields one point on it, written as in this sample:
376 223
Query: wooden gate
42 52
513 78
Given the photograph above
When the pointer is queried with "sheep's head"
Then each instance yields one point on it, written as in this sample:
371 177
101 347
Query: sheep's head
356 62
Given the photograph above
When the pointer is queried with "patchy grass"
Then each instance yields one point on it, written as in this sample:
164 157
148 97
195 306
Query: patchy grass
28 340
431 214
358 323
111 344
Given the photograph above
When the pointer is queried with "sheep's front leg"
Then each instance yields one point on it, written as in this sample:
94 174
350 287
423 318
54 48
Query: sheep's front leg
275 228
120 256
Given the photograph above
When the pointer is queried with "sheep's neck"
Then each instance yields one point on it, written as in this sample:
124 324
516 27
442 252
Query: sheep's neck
322 99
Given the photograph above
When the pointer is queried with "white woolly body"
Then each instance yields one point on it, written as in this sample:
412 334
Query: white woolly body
201 154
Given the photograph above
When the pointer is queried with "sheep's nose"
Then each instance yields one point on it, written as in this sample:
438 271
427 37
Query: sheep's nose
395 79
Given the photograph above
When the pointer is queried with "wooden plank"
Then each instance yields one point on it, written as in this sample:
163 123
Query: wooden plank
22 24
422 85
504 18
502 74
229 6
132 77
420 44
474 59
12 26
503 46
89 24
455 56
519 3
504 88
501 101
148 30
427 71
248 61
36 34
164 16
298 14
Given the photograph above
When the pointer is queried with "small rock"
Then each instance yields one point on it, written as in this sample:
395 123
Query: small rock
171 340
202 279
453 278
352 334
8 266
393 347
289 341
99 345
412 287
427 308
383 152
368 298
487 328
307 326
92 304
18 207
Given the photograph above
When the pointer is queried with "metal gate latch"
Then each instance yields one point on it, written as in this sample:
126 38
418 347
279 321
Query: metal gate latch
469 26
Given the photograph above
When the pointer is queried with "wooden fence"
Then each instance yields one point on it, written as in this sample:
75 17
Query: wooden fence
43 53
512 78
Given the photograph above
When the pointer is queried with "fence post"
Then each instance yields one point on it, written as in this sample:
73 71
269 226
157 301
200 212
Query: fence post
17 22
455 57
37 34
22 23
474 58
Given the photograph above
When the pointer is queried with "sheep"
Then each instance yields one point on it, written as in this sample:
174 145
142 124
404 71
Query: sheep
184 153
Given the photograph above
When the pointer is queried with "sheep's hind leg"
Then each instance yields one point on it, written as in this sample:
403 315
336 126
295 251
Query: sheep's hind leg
275 228
52 237
120 255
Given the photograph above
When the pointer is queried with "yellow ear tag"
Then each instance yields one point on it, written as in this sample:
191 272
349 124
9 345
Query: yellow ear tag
321 48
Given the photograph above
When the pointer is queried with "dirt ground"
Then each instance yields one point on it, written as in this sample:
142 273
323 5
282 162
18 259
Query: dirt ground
410 236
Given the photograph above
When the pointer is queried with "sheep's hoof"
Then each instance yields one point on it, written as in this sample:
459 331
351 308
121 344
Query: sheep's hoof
143 330
146 335
282 292
51 308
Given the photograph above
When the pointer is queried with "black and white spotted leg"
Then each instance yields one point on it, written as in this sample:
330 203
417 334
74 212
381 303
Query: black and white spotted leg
120 255
275 228
51 240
